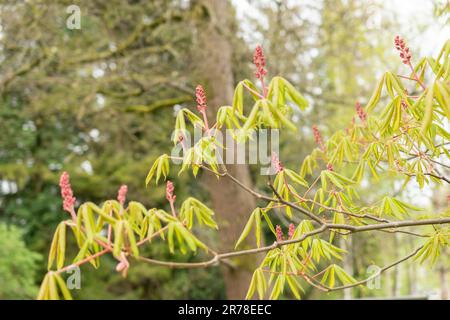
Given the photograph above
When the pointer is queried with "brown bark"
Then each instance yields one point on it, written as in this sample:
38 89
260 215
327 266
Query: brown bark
231 204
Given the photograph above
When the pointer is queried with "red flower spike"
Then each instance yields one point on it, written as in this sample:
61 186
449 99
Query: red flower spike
259 60
279 233
318 138
66 192
169 192
360 111
201 98
400 45
122 194
291 231
276 163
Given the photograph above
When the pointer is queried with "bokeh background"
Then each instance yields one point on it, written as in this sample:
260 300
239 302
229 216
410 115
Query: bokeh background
99 102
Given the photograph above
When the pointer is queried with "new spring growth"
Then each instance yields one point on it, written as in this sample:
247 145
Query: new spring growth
291 231
279 233
360 112
200 95
123 265
259 60
170 196
400 45
122 194
318 138
201 98
67 194
276 163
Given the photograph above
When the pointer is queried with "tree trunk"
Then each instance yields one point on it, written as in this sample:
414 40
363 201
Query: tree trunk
231 203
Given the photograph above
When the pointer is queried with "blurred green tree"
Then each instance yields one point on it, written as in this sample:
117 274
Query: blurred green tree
18 265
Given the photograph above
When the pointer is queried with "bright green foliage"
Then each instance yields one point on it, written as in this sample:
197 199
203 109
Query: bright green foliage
398 134
18 265
130 228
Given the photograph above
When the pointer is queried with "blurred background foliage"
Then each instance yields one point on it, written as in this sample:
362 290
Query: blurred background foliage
99 102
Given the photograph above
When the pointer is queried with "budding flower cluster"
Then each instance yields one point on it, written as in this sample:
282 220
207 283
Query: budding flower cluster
400 45
122 194
66 192
276 163
279 233
123 265
318 138
291 231
360 111
169 192
330 167
260 62
201 98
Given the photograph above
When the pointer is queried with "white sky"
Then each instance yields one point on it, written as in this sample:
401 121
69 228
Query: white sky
418 24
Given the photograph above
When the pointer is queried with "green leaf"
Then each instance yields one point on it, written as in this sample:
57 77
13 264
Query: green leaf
131 240
428 116
294 285
160 166
252 286
238 98
62 287
296 178
294 95
258 231
277 288
247 229
375 96
118 238
261 284
44 289
61 245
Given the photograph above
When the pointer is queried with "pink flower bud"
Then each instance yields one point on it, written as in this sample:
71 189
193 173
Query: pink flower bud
360 111
291 231
123 265
259 60
276 163
122 194
201 98
400 45
318 138
66 192
279 233
170 192
330 167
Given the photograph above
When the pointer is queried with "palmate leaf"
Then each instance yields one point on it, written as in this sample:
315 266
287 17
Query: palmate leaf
396 208
323 249
334 271
159 167
192 207
255 218
52 286
280 90
295 286
375 96
278 287
335 178
58 247
295 177
431 250
258 283
185 239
